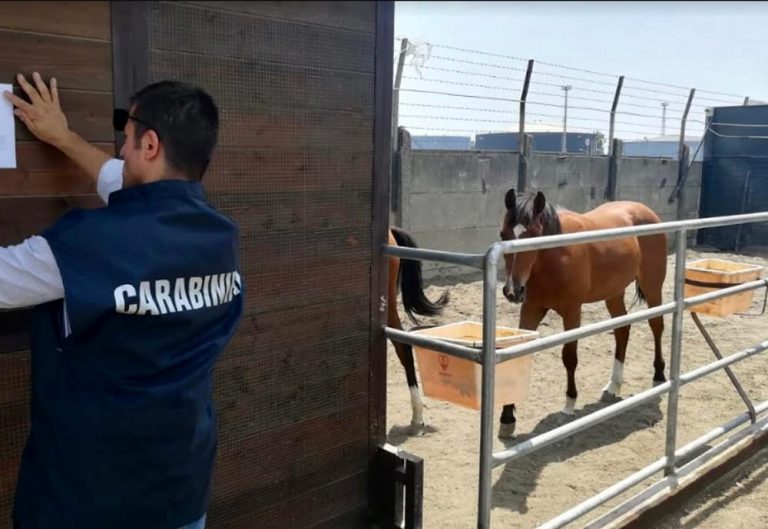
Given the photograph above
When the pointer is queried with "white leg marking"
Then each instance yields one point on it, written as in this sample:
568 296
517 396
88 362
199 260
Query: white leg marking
506 430
570 404
417 418
617 379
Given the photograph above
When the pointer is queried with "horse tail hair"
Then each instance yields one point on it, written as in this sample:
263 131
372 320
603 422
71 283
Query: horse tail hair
411 285
639 296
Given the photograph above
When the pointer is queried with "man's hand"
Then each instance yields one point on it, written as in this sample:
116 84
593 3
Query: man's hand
43 116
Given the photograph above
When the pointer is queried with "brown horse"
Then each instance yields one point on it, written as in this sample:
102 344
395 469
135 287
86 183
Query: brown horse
406 273
563 279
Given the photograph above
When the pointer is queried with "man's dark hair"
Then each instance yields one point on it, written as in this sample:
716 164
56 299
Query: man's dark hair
185 119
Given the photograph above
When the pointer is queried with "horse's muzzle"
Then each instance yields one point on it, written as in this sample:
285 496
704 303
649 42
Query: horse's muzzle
516 294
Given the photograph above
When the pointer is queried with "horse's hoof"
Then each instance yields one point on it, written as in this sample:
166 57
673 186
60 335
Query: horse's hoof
658 382
417 429
568 412
507 430
609 397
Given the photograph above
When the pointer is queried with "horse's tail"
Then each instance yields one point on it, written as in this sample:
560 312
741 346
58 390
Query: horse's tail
639 296
409 278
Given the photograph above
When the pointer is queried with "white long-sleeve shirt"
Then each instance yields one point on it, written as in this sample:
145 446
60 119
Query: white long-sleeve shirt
29 274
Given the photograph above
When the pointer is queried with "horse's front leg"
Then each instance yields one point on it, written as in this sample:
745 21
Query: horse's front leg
571 320
530 319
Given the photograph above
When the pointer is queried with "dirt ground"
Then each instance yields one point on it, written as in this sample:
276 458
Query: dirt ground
534 489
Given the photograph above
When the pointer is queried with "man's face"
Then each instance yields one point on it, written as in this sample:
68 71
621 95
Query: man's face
130 153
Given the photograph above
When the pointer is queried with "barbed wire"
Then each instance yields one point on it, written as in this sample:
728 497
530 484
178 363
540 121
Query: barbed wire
531 102
513 112
573 69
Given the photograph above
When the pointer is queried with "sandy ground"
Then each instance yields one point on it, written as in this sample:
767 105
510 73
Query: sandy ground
533 490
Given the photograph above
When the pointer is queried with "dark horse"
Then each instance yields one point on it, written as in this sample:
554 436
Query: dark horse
563 279
407 274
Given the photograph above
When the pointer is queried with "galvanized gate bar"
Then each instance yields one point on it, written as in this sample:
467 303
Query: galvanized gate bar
585 331
685 473
430 342
552 436
627 483
731 376
490 356
569 239
465 259
676 353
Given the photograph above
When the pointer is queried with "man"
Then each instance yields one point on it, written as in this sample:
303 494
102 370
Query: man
134 302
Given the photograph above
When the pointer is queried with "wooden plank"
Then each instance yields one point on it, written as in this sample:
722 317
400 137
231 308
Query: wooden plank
21 217
306 130
230 35
289 86
256 170
130 52
88 113
14 332
77 64
326 503
43 171
74 19
242 391
385 18
295 215
296 476
14 381
14 427
267 330
9 469
359 16
288 285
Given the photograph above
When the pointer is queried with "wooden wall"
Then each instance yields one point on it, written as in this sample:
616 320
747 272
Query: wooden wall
301 166
71 41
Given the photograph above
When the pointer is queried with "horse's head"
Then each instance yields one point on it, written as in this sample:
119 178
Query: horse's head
527 216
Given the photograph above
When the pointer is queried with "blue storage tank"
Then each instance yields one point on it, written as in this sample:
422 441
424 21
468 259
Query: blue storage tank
450 143
575 142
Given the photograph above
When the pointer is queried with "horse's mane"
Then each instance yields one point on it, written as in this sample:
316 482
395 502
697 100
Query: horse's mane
550 219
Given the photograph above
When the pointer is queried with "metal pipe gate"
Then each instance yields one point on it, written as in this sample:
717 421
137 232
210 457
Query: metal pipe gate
489 357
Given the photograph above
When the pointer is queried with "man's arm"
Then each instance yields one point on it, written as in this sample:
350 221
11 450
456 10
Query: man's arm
29 274
44 118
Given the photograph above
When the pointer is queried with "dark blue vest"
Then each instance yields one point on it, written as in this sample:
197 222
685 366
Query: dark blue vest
123 430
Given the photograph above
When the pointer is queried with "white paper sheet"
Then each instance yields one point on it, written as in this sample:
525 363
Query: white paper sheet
7 131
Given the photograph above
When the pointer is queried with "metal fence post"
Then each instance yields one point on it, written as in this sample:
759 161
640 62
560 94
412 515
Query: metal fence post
522 138
677 344
682 127
611 127
489 371
396 91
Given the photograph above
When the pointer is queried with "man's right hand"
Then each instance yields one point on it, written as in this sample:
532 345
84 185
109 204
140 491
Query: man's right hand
43 115
44 118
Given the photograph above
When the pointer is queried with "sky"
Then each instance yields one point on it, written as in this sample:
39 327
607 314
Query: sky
710 46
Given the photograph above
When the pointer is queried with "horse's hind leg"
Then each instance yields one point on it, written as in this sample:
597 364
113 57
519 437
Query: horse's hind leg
653 269
612 391
404 351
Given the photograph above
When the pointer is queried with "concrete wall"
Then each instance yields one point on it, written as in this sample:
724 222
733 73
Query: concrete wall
454 200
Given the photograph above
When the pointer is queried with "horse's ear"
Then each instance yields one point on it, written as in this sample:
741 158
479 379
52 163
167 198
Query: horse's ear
538 203
510 199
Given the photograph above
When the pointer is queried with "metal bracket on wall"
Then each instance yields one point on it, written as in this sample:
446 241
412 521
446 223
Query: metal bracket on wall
398 489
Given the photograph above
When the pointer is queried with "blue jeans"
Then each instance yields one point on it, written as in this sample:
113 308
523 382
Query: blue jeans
200 524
